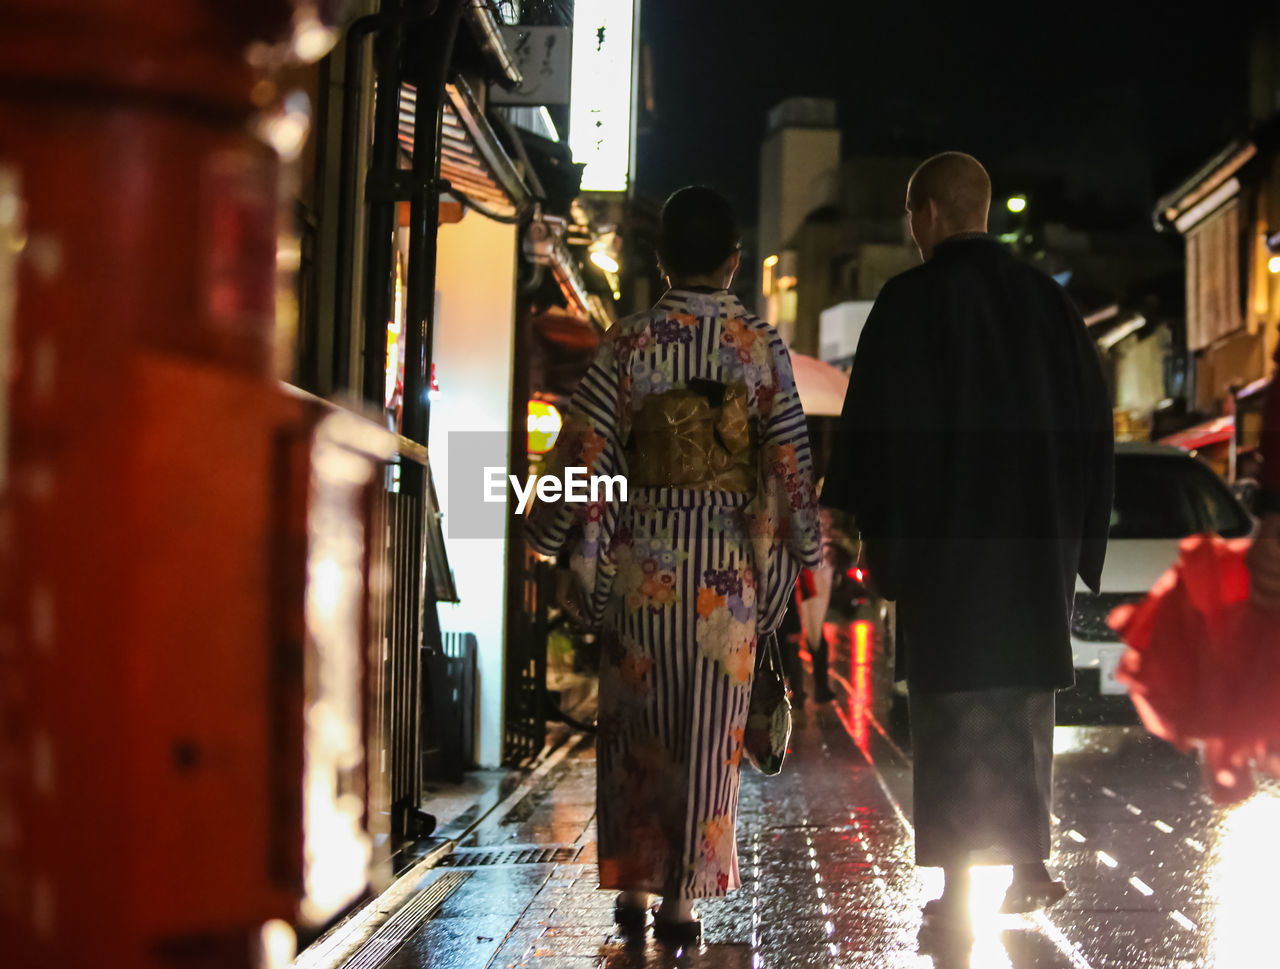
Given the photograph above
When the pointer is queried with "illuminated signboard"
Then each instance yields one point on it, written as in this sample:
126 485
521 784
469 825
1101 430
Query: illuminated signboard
600 107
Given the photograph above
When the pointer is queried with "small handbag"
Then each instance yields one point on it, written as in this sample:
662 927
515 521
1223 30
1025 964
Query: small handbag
769 711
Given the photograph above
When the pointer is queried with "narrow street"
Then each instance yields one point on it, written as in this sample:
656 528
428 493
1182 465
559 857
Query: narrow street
1159 876
379 378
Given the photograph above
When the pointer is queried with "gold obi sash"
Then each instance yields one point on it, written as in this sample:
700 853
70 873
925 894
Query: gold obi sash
700 438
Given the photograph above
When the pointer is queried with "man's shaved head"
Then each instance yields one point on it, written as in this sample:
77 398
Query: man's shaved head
949 194
958 184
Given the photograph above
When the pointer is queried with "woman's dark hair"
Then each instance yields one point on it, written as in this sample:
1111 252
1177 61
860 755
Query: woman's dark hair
699 232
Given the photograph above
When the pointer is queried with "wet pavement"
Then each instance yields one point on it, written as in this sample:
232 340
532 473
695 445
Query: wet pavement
1159 876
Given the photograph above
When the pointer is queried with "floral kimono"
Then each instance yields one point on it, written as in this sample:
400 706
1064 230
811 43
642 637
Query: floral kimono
695 403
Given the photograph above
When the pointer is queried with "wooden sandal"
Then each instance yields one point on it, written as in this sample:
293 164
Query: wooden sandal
1032 896
677 933
631 919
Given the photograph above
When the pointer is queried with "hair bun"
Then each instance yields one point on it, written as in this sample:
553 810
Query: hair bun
699 232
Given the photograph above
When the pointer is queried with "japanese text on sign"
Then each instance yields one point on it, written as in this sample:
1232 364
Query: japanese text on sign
600 112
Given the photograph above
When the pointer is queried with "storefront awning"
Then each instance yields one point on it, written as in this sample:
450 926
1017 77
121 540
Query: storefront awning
1217 431
1253 389
544 245
472 159
1221 177
1207 189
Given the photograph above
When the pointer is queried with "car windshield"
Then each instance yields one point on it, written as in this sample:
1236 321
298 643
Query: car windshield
1172 497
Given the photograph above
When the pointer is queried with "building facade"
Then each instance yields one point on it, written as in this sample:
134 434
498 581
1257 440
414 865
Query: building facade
1228 213
848 247
798 161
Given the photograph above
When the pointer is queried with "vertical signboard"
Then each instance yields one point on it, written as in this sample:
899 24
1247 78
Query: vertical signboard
600 110
543 56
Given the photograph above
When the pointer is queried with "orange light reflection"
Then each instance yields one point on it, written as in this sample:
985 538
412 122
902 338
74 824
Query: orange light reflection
860 700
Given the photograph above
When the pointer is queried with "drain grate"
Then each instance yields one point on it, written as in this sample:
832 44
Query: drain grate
393 934
488 857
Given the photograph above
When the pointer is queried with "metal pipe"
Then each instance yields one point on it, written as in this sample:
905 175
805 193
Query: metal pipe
357 33
379 252
424 219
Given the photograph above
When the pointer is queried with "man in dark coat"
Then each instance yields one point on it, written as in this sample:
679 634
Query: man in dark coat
975 453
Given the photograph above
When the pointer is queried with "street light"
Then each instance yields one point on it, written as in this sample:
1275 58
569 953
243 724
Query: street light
1016 203
766 275
1274 264
604 261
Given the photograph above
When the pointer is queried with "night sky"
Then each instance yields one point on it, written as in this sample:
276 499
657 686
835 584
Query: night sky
1118 100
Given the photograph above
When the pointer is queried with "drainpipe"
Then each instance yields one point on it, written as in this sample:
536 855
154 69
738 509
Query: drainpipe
488 34
424 217
392 20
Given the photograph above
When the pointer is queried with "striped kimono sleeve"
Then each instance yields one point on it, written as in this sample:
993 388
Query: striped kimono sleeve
786 536
589 440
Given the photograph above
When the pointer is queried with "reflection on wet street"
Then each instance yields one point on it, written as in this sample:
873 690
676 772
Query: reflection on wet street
1159 876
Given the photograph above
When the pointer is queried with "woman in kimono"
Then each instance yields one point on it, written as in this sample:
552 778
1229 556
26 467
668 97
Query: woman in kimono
694 403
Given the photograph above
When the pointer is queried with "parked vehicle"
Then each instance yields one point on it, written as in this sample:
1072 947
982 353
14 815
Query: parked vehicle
1162 495
850 588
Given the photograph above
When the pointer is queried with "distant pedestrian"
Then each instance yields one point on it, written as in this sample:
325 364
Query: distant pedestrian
975 452
815 589
694 401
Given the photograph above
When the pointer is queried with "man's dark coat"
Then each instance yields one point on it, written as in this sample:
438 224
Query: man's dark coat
975 453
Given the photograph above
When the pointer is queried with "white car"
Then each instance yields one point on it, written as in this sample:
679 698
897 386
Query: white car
1162 495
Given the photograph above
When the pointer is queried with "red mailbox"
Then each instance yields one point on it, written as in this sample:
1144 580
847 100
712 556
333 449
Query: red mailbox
183 561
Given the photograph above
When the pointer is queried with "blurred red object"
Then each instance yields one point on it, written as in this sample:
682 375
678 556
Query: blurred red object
566 329
808 584
1203 665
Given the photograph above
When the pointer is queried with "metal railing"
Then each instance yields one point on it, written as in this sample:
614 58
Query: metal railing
410 575
525 722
